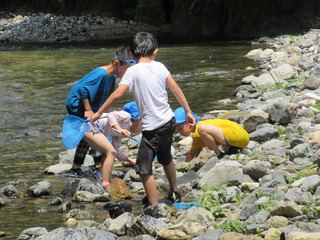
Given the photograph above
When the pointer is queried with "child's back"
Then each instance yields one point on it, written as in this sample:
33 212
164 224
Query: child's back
148 81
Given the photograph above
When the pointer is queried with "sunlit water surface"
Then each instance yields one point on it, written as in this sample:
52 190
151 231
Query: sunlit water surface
34 84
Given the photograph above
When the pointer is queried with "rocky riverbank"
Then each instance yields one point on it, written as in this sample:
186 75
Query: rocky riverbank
270 190
50 28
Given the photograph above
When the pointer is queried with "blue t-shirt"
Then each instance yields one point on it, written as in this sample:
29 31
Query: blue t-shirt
97 86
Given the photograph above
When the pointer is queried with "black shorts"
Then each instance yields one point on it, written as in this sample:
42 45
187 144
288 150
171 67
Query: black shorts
155 143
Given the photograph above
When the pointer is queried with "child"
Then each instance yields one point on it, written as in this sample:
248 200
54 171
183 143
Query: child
86 97
148 81
210 133
115 125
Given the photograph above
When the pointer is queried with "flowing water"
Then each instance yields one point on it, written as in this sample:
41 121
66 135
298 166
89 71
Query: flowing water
34 83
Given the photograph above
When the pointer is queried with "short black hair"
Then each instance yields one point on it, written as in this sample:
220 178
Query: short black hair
143 44
122 53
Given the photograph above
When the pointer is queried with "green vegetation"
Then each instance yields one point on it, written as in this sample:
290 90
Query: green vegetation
270 200
311 208
212 199
298 176
231 226
281 129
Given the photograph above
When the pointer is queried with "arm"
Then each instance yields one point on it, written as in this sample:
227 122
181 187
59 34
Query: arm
87 108
192 153
176 90
113 99
124 132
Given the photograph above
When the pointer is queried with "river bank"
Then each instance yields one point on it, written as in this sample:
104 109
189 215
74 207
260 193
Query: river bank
50 28
268 191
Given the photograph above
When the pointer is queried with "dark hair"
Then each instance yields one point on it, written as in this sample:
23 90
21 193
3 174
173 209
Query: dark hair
143 44
123 53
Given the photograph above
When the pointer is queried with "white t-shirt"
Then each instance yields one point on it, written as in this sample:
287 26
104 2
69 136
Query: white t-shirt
147 82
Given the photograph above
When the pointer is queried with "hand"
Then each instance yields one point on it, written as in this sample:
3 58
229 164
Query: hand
88 114
125 133
95 117
131 160
190 119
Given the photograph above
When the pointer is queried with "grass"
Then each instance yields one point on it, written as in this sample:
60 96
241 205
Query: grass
212 199
231 226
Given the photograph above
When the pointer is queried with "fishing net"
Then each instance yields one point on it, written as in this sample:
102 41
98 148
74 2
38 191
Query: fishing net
73 130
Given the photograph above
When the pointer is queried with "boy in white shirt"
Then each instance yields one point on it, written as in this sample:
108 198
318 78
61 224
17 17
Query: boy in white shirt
148 80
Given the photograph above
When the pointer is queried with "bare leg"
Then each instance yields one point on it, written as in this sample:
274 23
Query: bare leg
212 136
101 143
150 186
170 171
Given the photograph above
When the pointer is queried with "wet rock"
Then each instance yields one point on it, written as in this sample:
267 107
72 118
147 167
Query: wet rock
82 185
116 208
79 215
119 190
56 201
40 189
85 196
32 233
65 206
9 191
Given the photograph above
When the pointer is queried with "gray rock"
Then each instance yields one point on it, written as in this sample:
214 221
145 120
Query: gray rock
9 191
79 215
255 169
311 183
85 196
210 235
264 134
33 233
253 228
297 195
40 189
286 209
221 173
147 225
254 118
281 112
78 234
258 218
82 185
248 210
120 224
157 210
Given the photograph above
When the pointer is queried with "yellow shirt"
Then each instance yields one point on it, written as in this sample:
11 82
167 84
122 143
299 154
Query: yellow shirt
234 134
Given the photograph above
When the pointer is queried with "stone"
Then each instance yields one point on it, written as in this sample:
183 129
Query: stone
119 190
254 118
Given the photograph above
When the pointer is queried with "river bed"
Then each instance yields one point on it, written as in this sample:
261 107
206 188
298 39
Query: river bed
34 83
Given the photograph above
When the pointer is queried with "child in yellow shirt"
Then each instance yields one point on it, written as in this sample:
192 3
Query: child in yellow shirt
210 133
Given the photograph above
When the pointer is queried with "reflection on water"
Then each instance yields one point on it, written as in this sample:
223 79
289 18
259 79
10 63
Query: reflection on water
34 84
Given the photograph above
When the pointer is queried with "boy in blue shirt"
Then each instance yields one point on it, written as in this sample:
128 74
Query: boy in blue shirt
86 97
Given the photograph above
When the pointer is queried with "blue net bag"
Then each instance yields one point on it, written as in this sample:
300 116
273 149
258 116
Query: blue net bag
73 130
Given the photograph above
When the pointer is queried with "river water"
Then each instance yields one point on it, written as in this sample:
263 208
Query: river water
34 83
